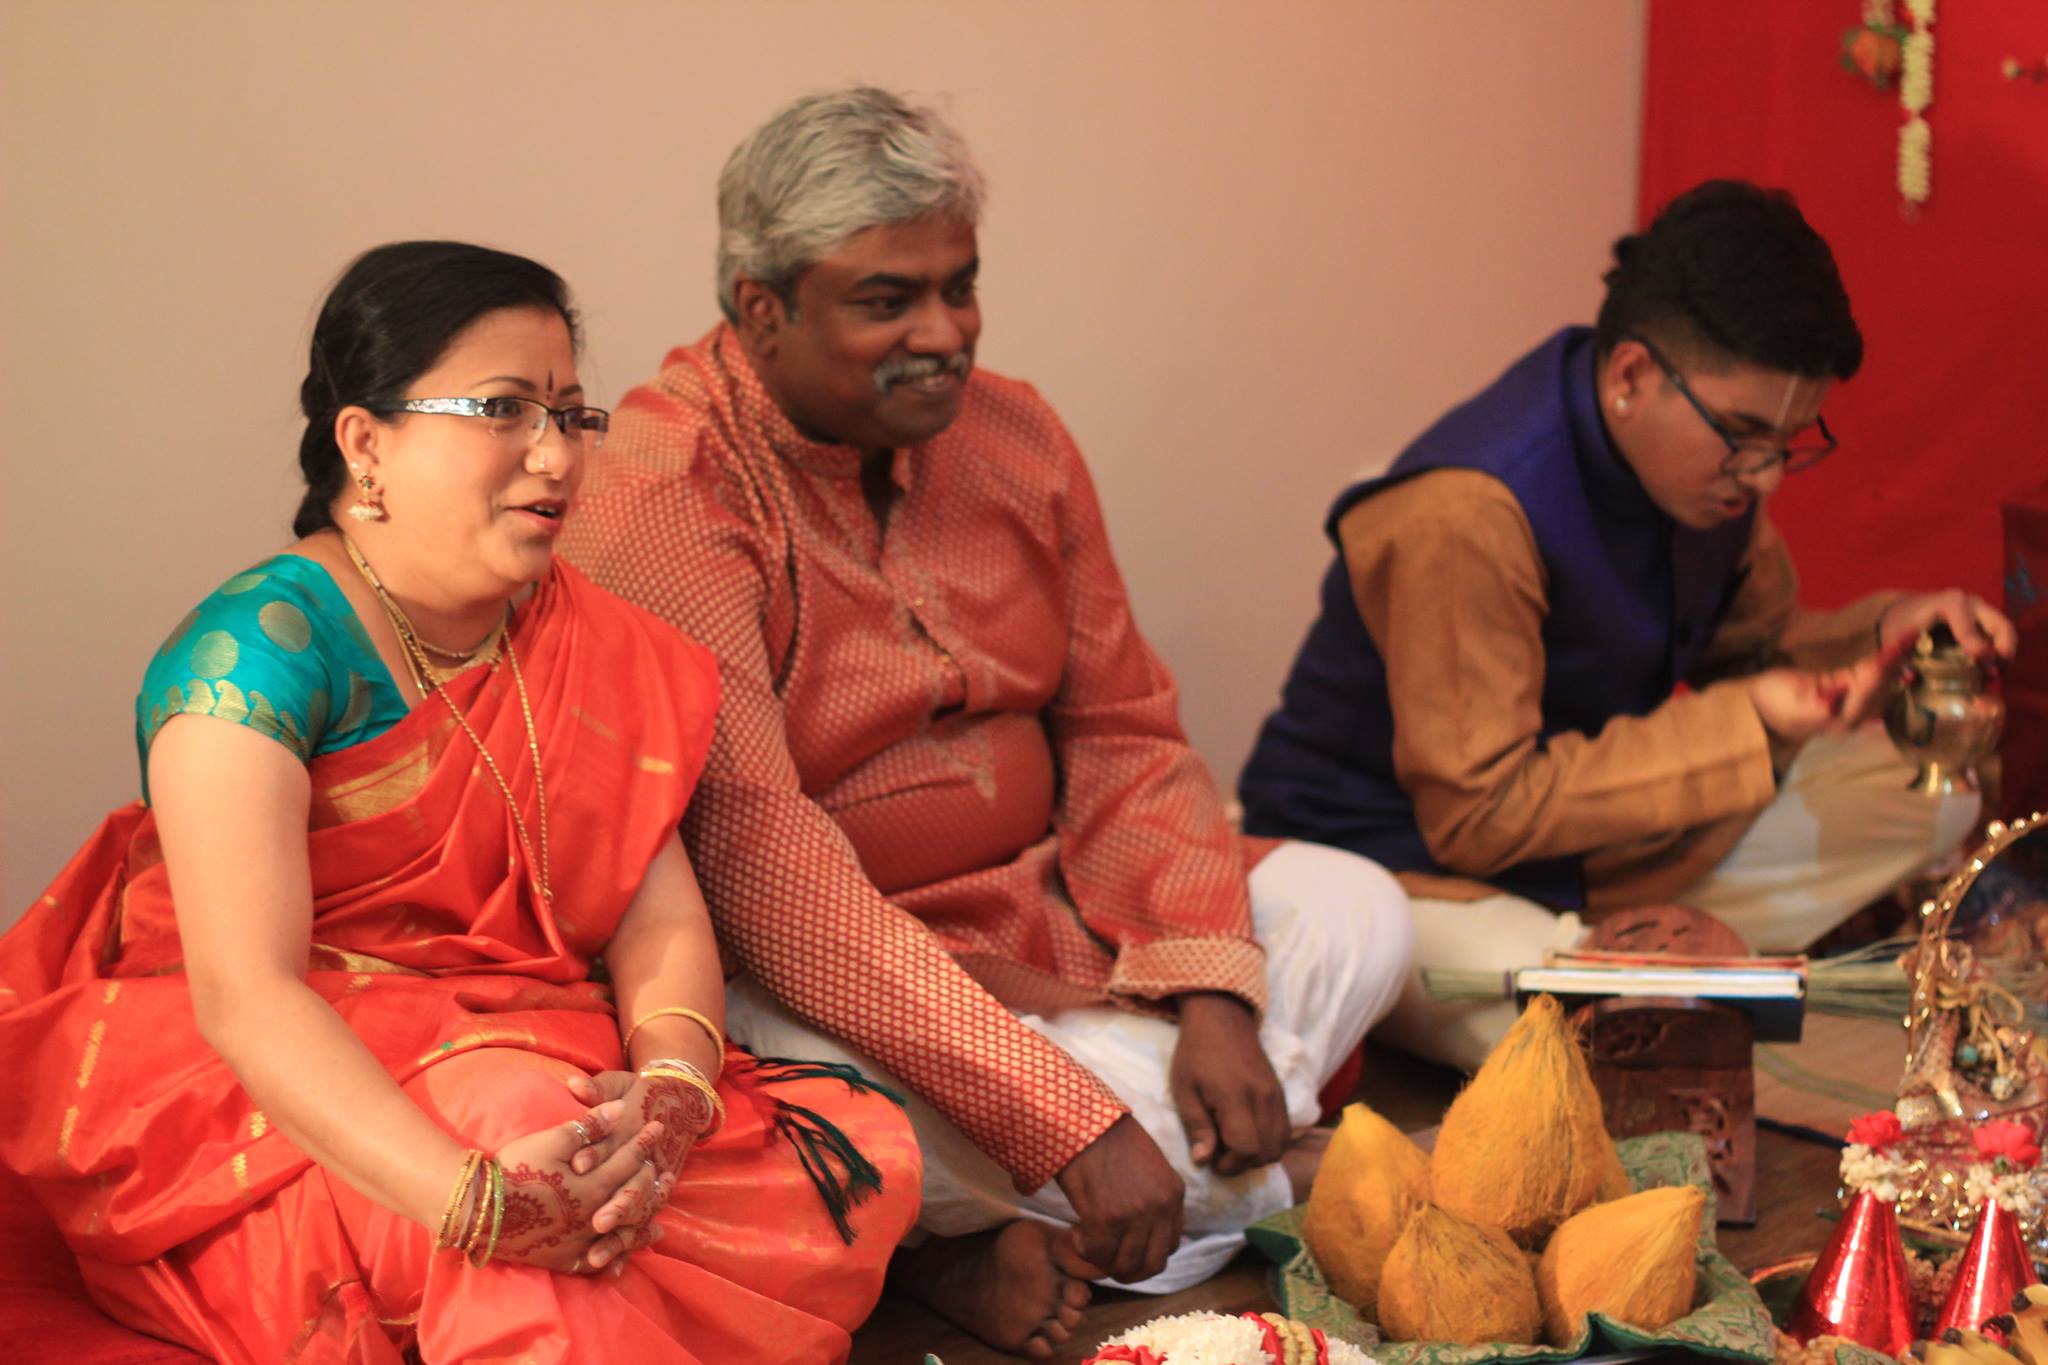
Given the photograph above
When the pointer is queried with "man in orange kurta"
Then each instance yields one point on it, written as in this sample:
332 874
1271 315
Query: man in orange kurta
950 824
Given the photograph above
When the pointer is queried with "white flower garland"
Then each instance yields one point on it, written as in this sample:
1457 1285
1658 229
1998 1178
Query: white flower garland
2016 1192
1878 1172
1217 1339
1916 92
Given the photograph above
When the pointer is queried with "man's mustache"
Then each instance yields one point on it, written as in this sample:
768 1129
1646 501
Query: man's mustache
921 367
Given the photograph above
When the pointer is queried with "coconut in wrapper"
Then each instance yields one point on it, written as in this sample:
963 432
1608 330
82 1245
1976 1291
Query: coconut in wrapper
1448 1279
1524 1146
1633 1260
1370 1180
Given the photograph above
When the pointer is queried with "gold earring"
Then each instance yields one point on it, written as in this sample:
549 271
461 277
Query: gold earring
369 504
1621 405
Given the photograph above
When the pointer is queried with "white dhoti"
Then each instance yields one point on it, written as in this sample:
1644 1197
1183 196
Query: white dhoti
1336 932
1843 830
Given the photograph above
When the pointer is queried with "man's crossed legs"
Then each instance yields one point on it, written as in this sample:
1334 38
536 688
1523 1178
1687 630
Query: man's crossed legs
1338 943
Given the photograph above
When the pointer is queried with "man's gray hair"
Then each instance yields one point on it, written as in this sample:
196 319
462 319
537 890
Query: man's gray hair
825 168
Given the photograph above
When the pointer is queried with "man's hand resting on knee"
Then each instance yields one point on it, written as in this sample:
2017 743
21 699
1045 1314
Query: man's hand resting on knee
1224 1087
1128 1200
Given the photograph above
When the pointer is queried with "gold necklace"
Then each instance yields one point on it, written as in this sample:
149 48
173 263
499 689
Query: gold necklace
424 674
425 680
482 651
475 653
461 657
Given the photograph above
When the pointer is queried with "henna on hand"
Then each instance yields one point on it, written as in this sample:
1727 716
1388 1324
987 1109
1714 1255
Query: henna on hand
549 1205
673 1114
540 1210
683 1111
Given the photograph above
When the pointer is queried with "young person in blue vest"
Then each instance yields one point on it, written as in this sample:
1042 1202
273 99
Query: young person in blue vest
1560 665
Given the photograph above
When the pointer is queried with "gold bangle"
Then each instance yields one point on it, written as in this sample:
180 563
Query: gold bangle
680 1067
473 1230
445 1237
494 1174
680 1012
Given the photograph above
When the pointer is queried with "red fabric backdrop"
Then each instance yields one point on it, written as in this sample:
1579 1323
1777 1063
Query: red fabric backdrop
1950 413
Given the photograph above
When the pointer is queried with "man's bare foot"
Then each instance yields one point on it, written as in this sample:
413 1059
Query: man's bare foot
1020 1287
1302 1158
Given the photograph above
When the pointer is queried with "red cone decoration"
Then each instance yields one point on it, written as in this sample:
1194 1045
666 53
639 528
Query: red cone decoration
1995 1267
1858 1288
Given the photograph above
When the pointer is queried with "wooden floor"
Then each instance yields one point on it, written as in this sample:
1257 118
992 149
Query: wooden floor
1855 1062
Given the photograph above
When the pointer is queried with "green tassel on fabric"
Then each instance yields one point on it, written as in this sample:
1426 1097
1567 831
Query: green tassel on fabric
842 1176
792 1069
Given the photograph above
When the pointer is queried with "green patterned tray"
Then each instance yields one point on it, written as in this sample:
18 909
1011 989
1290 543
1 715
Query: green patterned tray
1728 1319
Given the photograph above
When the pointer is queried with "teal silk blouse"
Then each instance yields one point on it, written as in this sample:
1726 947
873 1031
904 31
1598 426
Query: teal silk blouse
279 649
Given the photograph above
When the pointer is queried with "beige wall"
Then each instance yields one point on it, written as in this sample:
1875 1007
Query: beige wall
1246 249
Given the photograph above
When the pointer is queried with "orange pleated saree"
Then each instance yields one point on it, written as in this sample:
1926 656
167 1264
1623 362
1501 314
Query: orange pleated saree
195 1219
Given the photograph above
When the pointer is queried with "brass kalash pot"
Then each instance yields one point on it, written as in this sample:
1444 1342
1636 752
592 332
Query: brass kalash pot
1942 719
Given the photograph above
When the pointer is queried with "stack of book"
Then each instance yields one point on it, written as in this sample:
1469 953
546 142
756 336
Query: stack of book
1772 991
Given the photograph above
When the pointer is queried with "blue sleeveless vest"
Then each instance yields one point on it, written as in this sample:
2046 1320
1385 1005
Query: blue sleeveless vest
1633 599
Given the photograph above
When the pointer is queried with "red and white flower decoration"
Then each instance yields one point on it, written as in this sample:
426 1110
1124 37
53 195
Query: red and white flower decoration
1220 1339
2010 1150
1882 45
1916 92
1868 1162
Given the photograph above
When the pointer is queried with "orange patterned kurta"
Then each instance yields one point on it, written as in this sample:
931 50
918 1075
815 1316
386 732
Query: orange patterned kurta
948 776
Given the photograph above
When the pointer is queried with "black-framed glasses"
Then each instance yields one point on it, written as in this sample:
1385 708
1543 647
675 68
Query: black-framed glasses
1750 454
523 421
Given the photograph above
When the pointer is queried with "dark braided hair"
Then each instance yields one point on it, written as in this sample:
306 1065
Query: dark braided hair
1736 270
389 319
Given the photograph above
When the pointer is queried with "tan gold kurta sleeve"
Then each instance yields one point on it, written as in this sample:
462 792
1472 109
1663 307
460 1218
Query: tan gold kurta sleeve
1766 626
1446 575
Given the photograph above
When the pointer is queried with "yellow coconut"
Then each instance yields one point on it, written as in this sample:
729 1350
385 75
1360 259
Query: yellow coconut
1524 1147
1371 1178
1448 1279
1634 1260
1614 1181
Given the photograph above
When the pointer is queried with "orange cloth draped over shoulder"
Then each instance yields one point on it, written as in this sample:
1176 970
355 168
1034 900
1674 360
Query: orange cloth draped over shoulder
196 1219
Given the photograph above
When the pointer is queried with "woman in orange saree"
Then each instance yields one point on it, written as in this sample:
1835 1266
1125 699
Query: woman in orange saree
250 1106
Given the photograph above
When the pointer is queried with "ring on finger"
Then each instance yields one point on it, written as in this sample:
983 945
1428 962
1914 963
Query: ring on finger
582 1127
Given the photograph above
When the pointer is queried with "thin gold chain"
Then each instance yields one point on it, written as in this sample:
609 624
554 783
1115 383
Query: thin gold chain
428 684
481 652
547 882
460 657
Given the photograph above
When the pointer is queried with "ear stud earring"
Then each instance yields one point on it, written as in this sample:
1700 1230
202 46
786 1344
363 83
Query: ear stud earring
369 504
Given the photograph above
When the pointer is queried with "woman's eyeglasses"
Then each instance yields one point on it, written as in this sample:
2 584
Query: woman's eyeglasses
520 421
